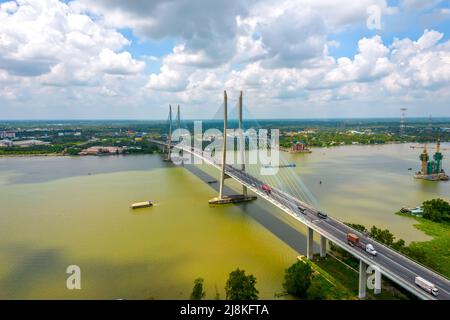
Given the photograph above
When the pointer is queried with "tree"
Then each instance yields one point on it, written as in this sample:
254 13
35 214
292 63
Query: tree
358 227
297 279
197 291
315 291
240 286
399 245
436 210
419 255
383 236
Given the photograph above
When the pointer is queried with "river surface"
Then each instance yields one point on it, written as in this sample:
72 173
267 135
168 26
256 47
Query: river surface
61 211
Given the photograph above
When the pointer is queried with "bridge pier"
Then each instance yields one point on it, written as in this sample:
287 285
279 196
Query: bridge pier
310 244
362 279
323 246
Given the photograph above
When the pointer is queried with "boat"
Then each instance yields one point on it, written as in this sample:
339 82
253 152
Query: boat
144 204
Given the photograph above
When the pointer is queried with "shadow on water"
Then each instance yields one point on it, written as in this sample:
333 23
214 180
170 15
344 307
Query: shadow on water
289 235
45 169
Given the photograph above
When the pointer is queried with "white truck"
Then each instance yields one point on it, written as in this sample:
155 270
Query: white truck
427 286
353 240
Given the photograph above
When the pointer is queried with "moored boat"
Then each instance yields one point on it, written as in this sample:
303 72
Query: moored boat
144 204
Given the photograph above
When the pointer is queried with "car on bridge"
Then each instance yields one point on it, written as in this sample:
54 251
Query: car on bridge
302 210
322 215
266 188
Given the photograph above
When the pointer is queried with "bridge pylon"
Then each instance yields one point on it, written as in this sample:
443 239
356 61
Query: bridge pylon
222 198
169 136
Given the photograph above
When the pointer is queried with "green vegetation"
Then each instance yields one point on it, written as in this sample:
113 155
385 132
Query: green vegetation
340 280
436 210
73 136
333 138
297 279
32 150
197 291
316 290
65 146
436 252
331 279
358 227
307 279
240 286
383 236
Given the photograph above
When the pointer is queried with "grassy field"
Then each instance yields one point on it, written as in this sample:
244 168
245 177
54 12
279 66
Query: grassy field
437 249
340 281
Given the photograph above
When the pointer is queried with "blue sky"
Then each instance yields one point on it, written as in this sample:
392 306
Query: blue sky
115 59
404 25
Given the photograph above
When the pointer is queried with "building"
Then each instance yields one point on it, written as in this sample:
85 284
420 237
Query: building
7 134
101 150
29 143
299 147
5 143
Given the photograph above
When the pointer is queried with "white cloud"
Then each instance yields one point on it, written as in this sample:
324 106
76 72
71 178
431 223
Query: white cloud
168 80
276 51
49 39
117 63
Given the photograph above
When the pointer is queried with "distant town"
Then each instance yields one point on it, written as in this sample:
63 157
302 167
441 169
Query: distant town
131 137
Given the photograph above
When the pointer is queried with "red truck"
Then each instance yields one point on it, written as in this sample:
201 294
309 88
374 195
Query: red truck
266 188
353 240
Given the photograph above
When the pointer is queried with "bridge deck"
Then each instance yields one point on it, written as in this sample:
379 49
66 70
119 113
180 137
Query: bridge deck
391 264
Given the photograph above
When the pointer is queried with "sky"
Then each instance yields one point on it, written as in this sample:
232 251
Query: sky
115 59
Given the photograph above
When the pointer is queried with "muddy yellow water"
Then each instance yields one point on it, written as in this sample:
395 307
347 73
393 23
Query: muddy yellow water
61 211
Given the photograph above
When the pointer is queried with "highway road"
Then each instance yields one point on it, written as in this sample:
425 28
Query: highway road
392 264
386 258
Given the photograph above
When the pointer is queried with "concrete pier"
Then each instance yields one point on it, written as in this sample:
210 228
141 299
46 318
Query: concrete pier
310 244
362 279
323 246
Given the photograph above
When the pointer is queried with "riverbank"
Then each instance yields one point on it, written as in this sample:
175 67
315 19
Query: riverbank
339 281
33 155
437 249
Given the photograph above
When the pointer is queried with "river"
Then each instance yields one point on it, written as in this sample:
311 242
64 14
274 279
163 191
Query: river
61 211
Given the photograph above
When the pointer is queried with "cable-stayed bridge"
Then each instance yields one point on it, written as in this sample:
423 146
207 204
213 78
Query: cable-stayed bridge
299 204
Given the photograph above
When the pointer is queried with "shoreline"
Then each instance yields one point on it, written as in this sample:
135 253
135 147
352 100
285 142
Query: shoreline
311 148
23 155
66 155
